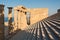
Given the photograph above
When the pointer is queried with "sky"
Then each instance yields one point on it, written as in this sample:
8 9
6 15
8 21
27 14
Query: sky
52 5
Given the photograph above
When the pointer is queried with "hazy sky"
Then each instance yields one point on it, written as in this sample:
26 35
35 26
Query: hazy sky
52 5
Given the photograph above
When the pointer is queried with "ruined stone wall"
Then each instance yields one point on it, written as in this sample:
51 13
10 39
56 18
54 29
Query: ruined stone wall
19 18
36 14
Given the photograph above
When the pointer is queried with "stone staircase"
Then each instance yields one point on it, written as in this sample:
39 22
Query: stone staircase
46 29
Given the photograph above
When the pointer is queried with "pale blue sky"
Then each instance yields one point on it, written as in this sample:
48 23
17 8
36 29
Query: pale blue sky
52 5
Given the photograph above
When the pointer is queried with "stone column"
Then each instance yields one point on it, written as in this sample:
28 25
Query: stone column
28 18
10 20
15 19
1 22
18 19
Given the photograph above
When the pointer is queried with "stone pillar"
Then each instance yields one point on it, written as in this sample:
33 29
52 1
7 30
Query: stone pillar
10 20
28 18
1 22
15 19
18 19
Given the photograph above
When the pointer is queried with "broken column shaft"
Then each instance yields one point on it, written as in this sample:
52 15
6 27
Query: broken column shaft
9 20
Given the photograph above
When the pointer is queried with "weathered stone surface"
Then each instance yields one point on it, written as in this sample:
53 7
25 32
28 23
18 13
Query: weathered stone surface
1 22
36 14
10 20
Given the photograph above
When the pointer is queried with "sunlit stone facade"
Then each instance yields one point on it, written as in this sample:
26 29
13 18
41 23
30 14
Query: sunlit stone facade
20 16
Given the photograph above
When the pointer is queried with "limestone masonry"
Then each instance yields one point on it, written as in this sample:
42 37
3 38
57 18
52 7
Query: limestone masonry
35 14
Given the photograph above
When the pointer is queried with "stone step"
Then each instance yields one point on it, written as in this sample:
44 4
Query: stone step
53 30
31 35
43 30
48 32
39 31
54 24
43 34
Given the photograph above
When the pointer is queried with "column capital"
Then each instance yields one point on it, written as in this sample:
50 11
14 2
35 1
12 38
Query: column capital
1 5
9 7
